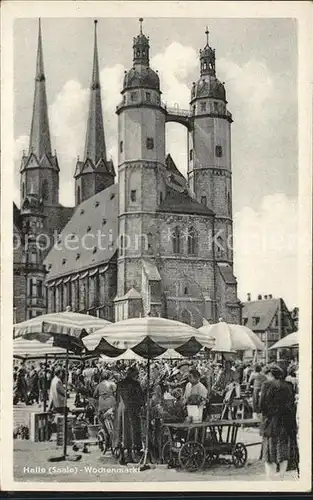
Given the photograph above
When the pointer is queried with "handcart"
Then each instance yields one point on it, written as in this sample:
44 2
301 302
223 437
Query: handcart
193 446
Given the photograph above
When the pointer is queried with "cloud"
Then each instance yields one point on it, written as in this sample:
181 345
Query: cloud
265 249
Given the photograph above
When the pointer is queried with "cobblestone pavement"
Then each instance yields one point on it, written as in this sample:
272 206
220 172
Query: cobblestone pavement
31 463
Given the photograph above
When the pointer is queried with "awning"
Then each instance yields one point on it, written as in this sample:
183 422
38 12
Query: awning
103 269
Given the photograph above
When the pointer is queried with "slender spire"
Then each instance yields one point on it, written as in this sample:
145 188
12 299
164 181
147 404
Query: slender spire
207 36
40 142
95 142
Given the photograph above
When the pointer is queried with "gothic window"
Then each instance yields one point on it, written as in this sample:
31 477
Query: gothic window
218 151
219 246
202 106
121 146
45 190
190 154
150 240
176 240
138 52
78 195
133 195
205 65
150 143
32 288
186 290
192 241
204 200
121 245
148 96
186 317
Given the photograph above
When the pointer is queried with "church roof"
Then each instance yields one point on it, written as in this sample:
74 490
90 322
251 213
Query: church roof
40 142
89 238
182 203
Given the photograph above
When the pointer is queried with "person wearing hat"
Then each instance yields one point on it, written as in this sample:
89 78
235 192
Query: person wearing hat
130 400
278 424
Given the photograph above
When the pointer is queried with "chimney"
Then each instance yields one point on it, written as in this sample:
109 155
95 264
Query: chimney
248 297
270 296
259 297
265 297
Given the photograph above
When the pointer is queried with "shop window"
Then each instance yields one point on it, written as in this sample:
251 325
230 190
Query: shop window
150 143
218 151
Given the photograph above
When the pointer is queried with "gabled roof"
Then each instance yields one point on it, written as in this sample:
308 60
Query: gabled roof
89 238
263 309
182 203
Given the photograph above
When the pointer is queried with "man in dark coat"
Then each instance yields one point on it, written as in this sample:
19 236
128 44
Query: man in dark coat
130 400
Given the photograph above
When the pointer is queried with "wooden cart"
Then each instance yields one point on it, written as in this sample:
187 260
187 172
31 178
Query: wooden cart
192 446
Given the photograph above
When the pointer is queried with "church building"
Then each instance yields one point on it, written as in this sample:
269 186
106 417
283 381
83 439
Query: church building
150 241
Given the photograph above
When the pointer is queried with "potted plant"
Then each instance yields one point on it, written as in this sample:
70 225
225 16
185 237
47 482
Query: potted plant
195 405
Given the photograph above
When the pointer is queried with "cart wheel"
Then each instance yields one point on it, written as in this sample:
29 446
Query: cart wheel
166 452
239 455
211 458
192 456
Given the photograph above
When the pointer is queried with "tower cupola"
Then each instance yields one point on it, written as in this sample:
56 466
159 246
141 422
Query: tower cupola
207 58
141 47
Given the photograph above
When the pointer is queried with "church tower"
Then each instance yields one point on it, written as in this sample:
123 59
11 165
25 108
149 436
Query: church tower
39 172
209 167
141 163
95 172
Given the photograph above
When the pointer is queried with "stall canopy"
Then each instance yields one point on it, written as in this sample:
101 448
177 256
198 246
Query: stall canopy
232 338
291 340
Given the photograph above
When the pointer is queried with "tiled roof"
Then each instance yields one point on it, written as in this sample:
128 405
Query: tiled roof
182 203
263 309
89 238
227 273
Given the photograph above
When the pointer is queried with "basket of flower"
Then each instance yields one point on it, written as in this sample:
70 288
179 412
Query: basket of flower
195 405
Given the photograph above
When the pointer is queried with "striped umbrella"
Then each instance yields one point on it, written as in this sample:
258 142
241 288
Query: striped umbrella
149 337
65 330
231 338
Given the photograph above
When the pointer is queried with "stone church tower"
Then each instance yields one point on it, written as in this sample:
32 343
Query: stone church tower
95 172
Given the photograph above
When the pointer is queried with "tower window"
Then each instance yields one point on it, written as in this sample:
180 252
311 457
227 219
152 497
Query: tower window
192 241
150 143
204 200
39 289
133 96
203 106
133 195
148 96
218 151
45 190
121 146
190 154
176 240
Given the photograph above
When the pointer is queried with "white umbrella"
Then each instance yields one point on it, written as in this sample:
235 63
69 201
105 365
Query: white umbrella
128 355
230 337
291 340
170 354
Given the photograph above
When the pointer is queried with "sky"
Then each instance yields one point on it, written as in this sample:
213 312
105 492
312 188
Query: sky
257 60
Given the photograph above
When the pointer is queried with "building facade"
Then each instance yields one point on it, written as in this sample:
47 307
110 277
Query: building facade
158 243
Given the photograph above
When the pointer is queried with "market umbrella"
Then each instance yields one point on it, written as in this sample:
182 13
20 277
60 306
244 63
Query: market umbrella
291 340
231 337
128 355
67 330
170 354
148 337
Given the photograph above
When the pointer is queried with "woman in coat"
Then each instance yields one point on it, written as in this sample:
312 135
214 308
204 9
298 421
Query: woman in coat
278 424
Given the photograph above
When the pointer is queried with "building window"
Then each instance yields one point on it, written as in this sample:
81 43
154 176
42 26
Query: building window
190 154
148 97
121 245
219 246
218 151
150 238
39 289
45 190
133 195
255 321
133 96
78 195
33 256
150 143
121 146
186 290
244 321
203 106
192 241
204 200
23 190
176 240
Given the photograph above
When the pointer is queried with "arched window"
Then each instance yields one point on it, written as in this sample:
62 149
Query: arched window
176 240
186 317
192 241
45 190
78 195
219 246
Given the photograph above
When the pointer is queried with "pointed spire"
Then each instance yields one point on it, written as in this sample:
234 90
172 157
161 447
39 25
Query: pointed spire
95 142
207 36
39 142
